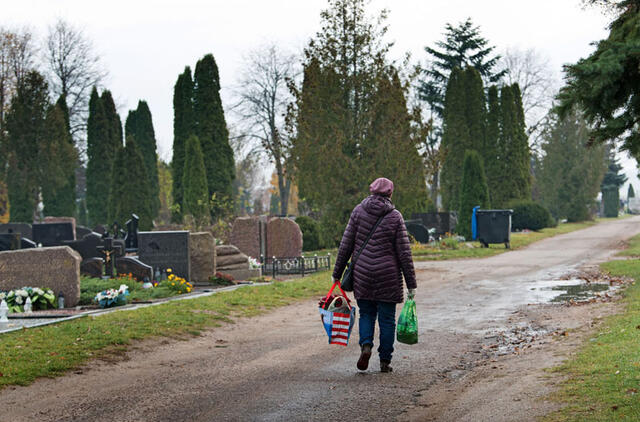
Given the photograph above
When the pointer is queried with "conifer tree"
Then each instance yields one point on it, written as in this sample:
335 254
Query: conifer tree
25 124
610 185
194 181
522 164
211 129
130 191
464 129
492 153
104 141
62 201
473 191
630 192
183 127
139 125
390 147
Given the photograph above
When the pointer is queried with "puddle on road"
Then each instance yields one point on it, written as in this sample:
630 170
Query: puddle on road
562 291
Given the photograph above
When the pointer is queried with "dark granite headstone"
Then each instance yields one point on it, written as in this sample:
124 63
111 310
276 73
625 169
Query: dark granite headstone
417 230
92 267
100 229
27 244
52 234
131 239
87 247
168 249
9 242
82 231
135 267
443 222
23 228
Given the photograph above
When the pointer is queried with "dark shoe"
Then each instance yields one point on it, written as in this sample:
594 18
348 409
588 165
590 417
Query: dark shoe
385 366
365 354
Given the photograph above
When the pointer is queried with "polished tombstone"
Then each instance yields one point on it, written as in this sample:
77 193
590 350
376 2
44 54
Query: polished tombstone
10 242
53 234
202 248
166 249
131 265
92 267
23 228
82 231
284 238
87 247
416 229
443 222
55 220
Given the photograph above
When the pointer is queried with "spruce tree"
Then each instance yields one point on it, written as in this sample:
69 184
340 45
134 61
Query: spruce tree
611 183
61 202
211 129
630 192
183 127
139 125
473 191
194 181
130 191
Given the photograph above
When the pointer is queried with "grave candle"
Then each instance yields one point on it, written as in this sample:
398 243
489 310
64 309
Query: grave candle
4 310
28 307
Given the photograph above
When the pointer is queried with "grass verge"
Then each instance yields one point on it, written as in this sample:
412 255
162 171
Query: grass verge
603 379
90 286
52 350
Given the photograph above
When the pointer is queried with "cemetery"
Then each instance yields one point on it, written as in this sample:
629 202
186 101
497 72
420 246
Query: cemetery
405 211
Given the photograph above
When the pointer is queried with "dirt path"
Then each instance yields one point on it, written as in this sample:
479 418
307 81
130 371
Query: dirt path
279 366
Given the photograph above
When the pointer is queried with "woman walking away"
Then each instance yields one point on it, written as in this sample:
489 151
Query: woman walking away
378 270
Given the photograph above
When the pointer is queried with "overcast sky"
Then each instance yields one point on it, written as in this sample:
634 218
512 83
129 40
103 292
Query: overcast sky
145 44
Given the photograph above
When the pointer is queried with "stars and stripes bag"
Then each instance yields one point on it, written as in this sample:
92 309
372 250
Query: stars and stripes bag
337 316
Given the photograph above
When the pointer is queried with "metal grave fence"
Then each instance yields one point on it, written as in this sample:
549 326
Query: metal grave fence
298 265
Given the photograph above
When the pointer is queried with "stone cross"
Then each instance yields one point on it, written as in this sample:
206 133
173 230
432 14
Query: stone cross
110 251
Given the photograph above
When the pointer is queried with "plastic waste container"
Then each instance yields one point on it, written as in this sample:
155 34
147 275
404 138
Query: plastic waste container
493 226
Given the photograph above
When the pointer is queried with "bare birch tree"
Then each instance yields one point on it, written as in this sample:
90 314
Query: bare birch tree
263 97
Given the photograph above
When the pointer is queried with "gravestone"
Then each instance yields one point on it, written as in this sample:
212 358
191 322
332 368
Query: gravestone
443 222
92 267
55 220
135 267
247 234
131 239
10 242
27 244
229 260
87 247
82 231
166 249
100 229
23 228
53 234
416 229
202 249
284 238
57 268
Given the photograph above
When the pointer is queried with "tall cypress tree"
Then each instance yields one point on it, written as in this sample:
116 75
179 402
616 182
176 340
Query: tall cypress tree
506 187
464 129
130 190
492 153
139 125
104 141
194 181
610 186
522 164
61 202
184 125
473 191
26 127
211 128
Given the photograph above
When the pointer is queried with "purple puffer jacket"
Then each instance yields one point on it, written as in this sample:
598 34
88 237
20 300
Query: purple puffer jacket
378 271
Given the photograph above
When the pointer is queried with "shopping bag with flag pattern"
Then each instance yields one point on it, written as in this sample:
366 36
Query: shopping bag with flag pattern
337 316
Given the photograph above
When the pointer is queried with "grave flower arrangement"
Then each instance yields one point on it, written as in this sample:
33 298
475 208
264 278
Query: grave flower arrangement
254 264
41 298
112 297
177 284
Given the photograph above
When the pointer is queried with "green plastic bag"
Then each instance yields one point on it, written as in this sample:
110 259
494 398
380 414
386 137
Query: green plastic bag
407 331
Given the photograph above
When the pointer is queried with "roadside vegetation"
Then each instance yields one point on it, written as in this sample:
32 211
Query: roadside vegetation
603 379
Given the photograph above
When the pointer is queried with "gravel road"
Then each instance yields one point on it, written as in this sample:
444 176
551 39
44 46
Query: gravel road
279 366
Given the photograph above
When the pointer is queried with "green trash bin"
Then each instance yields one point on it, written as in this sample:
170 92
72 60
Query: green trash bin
494 226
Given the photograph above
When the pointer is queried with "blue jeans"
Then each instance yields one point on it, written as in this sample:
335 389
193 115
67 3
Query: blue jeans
386 314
